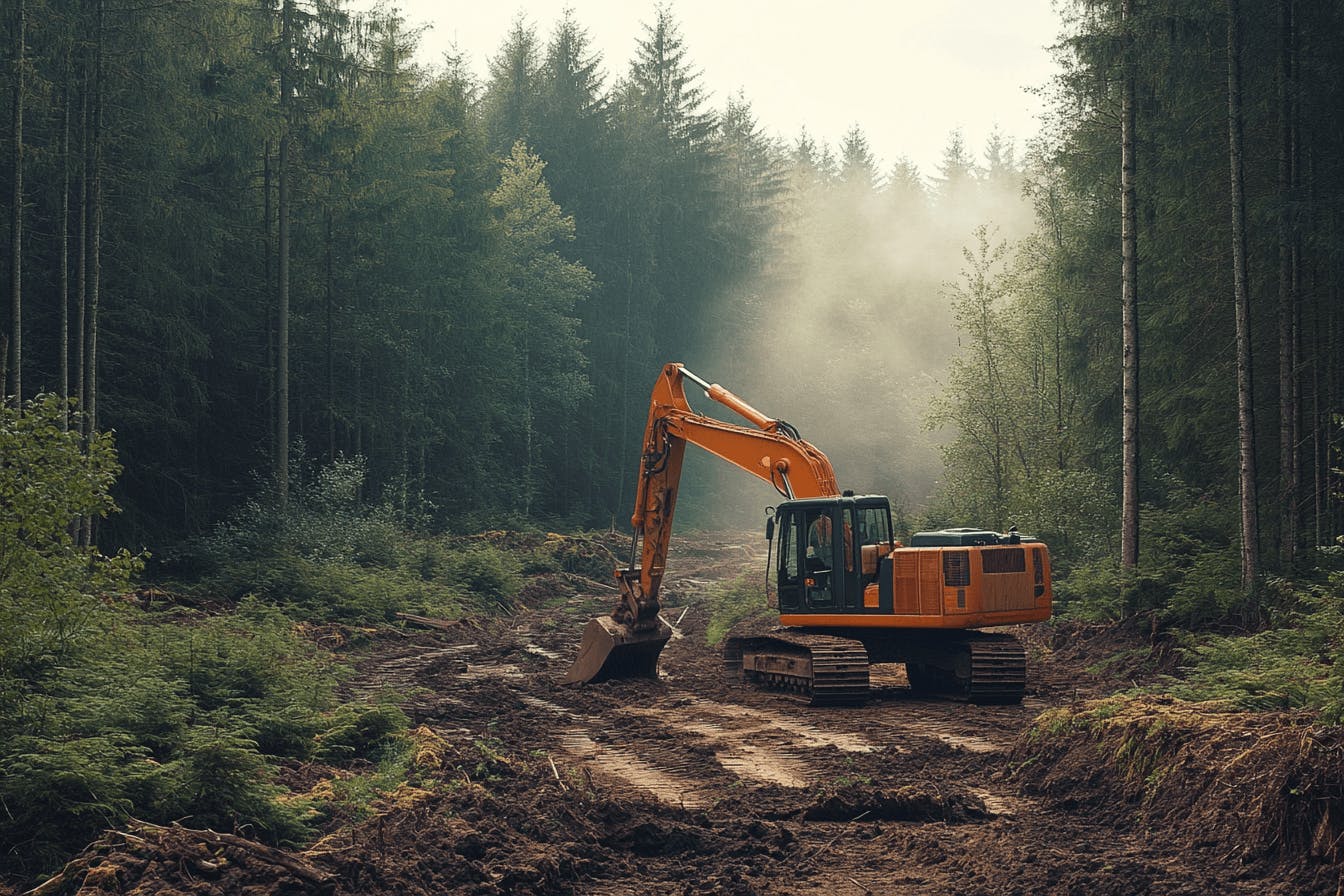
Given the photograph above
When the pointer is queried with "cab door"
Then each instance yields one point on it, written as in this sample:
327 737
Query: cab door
806 571
789 580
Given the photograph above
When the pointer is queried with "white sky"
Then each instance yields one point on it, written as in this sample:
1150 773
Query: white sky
906 71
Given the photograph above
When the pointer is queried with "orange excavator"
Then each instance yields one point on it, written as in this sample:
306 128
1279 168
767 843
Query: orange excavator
849 594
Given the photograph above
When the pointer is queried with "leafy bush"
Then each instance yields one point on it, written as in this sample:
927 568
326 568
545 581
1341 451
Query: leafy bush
1209 590
219 780
1073 511
168 720
324 557
49 479
105 712
324 519
1189 572
337 589
1100 591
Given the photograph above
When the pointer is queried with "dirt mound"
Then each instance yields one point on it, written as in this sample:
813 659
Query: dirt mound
916 802
1072 659
1258 785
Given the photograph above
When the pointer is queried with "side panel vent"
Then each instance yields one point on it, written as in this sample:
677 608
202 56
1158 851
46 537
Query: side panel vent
999 560
956 569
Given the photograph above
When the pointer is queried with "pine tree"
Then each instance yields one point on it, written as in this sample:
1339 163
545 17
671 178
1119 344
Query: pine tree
542 292
956 171
858 171
512 94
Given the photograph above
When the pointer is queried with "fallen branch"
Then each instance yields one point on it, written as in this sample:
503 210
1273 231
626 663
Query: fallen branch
829 843
430 622
557 773
299 867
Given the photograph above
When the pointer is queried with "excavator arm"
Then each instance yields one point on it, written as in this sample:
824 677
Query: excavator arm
629 641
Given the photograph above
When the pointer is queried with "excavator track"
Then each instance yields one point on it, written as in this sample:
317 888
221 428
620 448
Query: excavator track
822 669
978 667
998 670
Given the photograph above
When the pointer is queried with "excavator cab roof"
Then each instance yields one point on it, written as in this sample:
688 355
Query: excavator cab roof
833 500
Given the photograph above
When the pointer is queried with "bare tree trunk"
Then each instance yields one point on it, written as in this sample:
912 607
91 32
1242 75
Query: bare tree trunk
268 290
96 231
331 364
95 262
82 249
282 310
1129 300
282 333
63 276
1250 518
1319 451
1288 473
16 213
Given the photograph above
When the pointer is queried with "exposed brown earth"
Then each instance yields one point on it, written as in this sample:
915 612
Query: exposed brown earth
697 783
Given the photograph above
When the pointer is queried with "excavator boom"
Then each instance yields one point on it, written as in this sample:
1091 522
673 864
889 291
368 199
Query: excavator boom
628 641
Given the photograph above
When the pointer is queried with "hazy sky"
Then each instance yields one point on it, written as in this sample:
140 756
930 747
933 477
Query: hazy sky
906 72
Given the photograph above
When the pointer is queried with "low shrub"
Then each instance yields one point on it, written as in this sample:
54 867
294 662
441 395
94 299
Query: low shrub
733 602
165 720
491 574
1296 661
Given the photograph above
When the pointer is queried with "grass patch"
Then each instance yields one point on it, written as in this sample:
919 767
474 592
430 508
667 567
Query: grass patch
733 602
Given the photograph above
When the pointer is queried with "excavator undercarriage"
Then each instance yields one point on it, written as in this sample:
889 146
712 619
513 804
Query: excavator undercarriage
828 670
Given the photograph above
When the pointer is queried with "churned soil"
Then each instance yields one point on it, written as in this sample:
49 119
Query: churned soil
697 783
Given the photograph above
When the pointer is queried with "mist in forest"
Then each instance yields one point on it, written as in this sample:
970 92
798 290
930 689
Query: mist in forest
851 328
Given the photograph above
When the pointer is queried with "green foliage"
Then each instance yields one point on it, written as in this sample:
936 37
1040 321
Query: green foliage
356 795
582 554
49 479
732 602
167 720
106 713
1010 459
1297 661
59 792
336 589
324 519
354 730
219 780
326 555
489 573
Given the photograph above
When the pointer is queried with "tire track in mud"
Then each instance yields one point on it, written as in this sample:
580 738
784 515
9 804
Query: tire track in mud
681 780
696 739
686 750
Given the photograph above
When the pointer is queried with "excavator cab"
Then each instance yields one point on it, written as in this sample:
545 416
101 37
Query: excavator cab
827 551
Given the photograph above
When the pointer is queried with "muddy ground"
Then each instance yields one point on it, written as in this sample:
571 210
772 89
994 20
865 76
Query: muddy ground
697 783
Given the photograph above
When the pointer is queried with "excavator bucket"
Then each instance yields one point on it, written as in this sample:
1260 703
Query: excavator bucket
612 650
